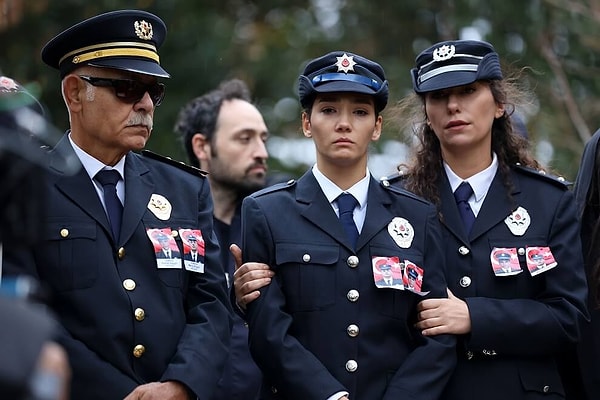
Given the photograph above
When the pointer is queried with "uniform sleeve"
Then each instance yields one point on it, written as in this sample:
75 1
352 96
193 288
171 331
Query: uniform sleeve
544 324
429 366
293 370
204 344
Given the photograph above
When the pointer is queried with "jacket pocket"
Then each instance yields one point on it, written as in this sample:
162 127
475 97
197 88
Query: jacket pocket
307 274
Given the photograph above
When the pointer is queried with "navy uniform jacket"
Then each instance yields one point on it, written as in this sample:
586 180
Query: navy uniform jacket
322 326
583 371
519 323
124 321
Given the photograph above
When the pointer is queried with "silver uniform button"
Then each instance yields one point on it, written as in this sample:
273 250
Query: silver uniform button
521 251
352 295
306 258
129 284
463 250
469 354
489 352
352 261
546 389
465 281
352 330
385 183
351 366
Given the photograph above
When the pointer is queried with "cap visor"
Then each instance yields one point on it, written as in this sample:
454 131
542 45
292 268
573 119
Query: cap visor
447 80
343 86
132 65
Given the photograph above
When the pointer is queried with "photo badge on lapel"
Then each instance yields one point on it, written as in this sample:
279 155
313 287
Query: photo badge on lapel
540 259
165 248
413 278
387 272
193 249
505 261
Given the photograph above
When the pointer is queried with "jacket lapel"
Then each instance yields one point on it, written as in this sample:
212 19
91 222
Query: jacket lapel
378 213
316 209
78 187
496 206
138 189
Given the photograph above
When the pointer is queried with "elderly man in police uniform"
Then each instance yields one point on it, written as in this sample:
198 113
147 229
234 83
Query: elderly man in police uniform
133 328
322 329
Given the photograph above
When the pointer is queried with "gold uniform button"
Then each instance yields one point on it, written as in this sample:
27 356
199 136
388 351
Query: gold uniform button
352 295
352 330
351 366
140 314
465 281
121 253
463 250
352 261
64 232
129 284
306 258
139 350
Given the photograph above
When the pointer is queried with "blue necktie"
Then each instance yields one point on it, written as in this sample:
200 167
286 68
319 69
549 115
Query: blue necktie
346 204
108 179
461 195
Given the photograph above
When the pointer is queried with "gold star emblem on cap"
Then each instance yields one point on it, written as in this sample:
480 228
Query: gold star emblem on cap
345 63
143 29
444 53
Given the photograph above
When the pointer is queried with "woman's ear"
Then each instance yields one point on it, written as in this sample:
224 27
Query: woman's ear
306 128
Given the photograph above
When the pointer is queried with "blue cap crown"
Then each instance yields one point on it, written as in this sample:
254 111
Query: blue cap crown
341 71
123 39
455 63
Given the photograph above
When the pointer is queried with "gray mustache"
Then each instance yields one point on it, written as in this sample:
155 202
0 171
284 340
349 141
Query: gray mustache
141 119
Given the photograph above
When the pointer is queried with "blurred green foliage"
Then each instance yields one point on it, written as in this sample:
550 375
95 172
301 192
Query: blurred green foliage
267 43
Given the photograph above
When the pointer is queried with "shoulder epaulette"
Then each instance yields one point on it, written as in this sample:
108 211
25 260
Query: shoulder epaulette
544 175
393 183
178 164
275 187
396 177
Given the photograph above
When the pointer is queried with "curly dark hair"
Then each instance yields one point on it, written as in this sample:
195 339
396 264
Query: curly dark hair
426 166
201 113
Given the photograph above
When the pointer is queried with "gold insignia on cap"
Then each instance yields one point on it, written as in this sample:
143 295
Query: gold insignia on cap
345 63
143 29
444 53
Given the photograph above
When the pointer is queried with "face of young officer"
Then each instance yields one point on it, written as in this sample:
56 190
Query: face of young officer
462 116
237 156
104 125
342 125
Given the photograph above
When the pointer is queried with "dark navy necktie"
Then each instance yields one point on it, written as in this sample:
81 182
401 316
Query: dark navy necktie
461 195
346 204
108 179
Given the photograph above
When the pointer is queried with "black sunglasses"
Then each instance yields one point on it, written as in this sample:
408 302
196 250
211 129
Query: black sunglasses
128 90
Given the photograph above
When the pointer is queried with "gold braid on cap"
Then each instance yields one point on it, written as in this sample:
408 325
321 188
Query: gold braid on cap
112 49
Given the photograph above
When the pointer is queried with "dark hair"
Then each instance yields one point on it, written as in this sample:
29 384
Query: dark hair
427 165
200 114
